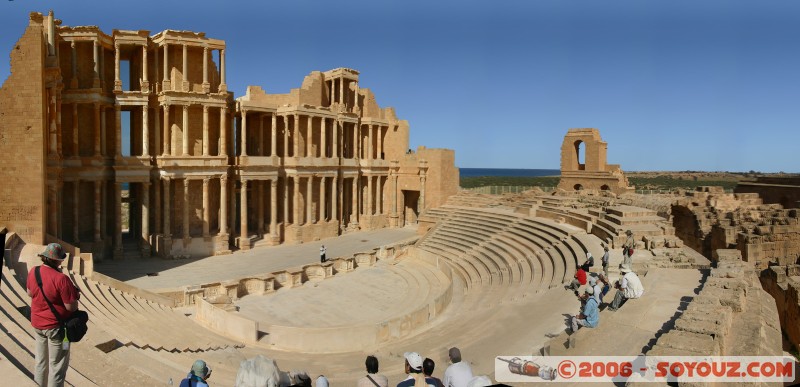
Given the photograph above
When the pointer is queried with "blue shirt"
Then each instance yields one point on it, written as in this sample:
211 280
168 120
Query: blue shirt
591 312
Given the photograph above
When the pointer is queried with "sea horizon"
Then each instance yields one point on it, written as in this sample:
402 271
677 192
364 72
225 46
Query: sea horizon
508 172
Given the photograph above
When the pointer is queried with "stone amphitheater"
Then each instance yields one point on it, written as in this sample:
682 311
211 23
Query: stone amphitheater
481 272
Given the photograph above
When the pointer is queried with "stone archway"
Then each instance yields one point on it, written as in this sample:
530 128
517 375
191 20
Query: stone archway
584 166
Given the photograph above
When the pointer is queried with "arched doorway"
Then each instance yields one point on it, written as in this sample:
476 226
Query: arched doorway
580 154
578 187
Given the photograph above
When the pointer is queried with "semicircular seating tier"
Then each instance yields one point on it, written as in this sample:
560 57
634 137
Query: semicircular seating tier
499 249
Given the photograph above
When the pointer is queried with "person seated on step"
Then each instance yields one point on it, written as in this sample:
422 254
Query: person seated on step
589 262
578 280
628 288
590 315
459 373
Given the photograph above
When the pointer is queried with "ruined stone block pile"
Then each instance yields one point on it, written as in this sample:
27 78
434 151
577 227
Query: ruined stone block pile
731 316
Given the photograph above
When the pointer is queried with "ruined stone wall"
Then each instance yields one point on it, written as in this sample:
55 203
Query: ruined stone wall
783 284
732 316
22 137
441 177
781 190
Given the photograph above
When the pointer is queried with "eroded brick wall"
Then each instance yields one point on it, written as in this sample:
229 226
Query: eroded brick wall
22 146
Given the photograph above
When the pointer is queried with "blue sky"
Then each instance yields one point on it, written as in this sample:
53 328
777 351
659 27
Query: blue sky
672 85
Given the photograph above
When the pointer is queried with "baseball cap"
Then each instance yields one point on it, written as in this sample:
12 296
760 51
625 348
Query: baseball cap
414 360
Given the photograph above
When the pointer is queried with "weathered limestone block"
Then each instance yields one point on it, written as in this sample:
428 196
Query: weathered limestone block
735 298
690 341
365 259
316 272
343 265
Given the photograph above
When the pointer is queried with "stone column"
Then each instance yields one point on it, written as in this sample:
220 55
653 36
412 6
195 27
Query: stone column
118 125
75 137
167 133
117 81
354 214
273 140
96 81
74 81
166 83
370 148
205 129
310 137
103 145
335 135
285 136
185 129
222 86
296 201
273 208
98 210
156 129
145 132
260 207
206 208
341 91
243 151
380 143
167 229
97 129
186 234
309 200
156 83
322 199
395 172
185 68
379 196
223 132
206 86
335 206
118 220
369 210
223 204
145 83
158 207
243 207
355 96
423 166
356 141
145 219
323 146
296 145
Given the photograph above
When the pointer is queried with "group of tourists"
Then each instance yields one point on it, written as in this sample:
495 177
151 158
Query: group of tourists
629 286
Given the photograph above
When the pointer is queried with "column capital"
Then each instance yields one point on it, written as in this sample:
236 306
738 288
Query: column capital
206 180
205 108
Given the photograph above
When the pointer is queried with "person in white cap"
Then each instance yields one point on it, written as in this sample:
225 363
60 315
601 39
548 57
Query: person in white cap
458 374
52 351
322 381
414 371
628 288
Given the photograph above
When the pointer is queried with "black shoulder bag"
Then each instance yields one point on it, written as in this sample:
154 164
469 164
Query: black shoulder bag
75 328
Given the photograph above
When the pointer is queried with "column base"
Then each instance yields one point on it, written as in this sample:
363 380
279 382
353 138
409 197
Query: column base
117 85
394 220
166 85
274 240
244 243
206 87
223 88
185 86
145 87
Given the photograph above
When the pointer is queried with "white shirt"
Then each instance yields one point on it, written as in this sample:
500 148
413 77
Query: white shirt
631 286
322 250
457 375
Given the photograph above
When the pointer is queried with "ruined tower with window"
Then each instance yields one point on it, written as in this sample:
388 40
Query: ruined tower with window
593 173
